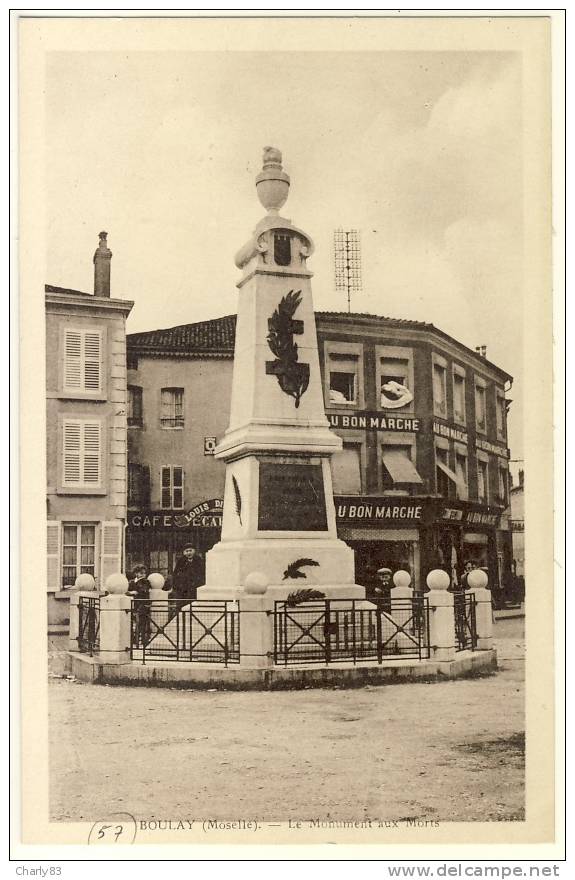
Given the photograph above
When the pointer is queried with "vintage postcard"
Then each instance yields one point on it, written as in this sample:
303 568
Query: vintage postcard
286 330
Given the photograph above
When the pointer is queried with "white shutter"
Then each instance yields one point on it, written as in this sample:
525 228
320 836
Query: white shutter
73 359
112 542
92 453
72 448
53 538
92 361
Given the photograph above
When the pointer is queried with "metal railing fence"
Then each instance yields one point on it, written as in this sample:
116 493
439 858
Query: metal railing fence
465 623
349 630
88 624
200 631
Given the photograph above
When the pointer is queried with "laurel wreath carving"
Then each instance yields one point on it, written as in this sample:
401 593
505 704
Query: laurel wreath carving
299 596
238 498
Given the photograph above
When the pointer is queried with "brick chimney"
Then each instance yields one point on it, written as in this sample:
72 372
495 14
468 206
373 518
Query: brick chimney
102 259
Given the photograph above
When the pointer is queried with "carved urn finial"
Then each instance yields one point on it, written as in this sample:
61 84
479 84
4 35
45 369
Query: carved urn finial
272 183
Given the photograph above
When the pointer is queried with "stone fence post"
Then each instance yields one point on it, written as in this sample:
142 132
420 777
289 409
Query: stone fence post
477 584
441 616
115 621
256 622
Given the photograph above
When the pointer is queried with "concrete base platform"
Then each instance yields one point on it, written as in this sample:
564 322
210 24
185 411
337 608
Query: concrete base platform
200 676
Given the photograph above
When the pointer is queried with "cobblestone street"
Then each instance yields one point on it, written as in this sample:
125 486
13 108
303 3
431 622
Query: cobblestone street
449 751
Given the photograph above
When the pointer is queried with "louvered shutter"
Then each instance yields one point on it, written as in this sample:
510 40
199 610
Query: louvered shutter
92 361
92 453
112 541
53 537
73 359
72 440
145 486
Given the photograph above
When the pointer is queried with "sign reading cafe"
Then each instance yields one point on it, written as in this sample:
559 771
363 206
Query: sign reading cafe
207 514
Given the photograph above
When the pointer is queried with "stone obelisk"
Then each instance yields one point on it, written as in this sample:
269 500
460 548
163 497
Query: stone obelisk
279 516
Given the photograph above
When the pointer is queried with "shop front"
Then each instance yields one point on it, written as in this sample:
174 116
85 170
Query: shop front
418 534
157 537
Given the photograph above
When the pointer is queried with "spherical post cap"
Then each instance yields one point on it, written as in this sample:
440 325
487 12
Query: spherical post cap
402 579
477 579
116 584
156 580
256 583
85 581
438 579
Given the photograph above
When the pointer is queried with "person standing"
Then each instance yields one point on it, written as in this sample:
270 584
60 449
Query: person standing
188 575
139 590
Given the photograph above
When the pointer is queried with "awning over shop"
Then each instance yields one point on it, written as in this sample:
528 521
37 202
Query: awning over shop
461 485
401 469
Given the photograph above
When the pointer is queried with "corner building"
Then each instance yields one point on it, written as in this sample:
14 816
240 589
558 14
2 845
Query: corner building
422 479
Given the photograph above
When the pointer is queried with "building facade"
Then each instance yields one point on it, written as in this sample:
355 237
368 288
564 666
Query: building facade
517 503
422 480
86 434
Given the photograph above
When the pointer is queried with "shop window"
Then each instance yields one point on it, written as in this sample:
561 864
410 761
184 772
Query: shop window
445 478
82 361
172 408
138 485
282 249
439 389
78 551
394 383
461 475
81 454
480 410
398 470
458 396
172 488
501 415
135 406
482 481
346 470
343 380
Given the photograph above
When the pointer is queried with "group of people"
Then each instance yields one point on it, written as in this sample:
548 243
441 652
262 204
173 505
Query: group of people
183 587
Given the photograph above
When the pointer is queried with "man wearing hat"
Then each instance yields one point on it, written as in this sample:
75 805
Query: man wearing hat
188 575
382 589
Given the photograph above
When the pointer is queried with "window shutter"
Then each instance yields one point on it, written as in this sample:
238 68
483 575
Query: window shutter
112 540
92 453
73 359
53 536
72 441
92 361
145 486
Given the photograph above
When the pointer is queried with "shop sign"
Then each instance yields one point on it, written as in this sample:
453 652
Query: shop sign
452 432
378 511
209 445
206 515
495 448
374 421
470 517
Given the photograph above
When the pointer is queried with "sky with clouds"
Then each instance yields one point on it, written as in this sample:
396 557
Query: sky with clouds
422 151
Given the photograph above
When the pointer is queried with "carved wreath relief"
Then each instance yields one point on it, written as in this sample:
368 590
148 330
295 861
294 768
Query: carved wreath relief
293 376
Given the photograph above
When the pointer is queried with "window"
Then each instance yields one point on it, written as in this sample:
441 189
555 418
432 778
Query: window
397 467
502 491
501 415
138 485
172 494
461 475
445 478
172 408
135 410
82 361
482 480
82 444
78 551
480 412
346 470
439 389
394 383
343 379
458 396
282 249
